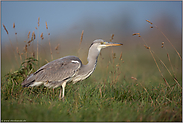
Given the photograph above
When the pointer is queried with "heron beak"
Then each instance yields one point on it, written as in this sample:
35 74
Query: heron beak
112 44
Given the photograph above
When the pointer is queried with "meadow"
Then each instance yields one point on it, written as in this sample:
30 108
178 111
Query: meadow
129 85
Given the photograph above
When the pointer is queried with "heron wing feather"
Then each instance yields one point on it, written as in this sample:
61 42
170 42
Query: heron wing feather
57 70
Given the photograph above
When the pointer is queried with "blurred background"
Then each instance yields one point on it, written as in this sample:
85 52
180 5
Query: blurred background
67 20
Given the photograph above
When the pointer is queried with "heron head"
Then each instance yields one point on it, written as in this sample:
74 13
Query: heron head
99 44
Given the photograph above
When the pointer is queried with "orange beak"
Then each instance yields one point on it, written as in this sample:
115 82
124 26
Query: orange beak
112 44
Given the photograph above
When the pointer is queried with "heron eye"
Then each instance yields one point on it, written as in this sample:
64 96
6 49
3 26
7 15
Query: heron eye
101 42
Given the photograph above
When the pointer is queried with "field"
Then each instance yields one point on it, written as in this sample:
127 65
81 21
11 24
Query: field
129 85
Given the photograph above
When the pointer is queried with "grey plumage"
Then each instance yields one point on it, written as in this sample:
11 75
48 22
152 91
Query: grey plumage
54 72
70 68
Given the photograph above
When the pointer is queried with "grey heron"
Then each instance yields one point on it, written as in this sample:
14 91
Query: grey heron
66 69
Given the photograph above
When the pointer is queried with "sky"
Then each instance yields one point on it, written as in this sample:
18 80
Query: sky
96 18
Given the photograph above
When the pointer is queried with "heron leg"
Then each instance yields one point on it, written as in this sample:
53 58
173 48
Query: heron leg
62 91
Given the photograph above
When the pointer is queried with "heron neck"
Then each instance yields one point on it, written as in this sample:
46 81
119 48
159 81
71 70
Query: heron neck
92 58
87 70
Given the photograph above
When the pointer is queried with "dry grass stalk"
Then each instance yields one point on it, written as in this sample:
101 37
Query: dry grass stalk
15 35
49 40
38 21
28 35
149 22
112 37
162 44
136 34
167 55
19 54
46 25
81 38
148 94
10 43
17 41
146 47
42 36
166 39
170 73
159 69
13 25
5 29
25 48
153 58
174 78
170 63
46 61
113 55
133 78
120 58
38 38
33 54
33 36
56 48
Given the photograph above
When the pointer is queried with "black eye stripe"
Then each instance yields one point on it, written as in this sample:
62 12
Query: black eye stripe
97 42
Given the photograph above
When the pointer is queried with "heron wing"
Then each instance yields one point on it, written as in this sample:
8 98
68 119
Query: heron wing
57 70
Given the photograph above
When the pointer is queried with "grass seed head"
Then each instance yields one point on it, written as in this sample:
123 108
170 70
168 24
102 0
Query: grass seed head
114 55
29 42
136 34
34 35
162 45
42 36
120 58
56 48
28 34
13 25
5 29
38 21
146 47
81 38
46 25
112 37
17 50
133 78
25 47
149 21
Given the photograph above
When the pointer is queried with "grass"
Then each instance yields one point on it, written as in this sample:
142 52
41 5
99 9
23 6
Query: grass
124 87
